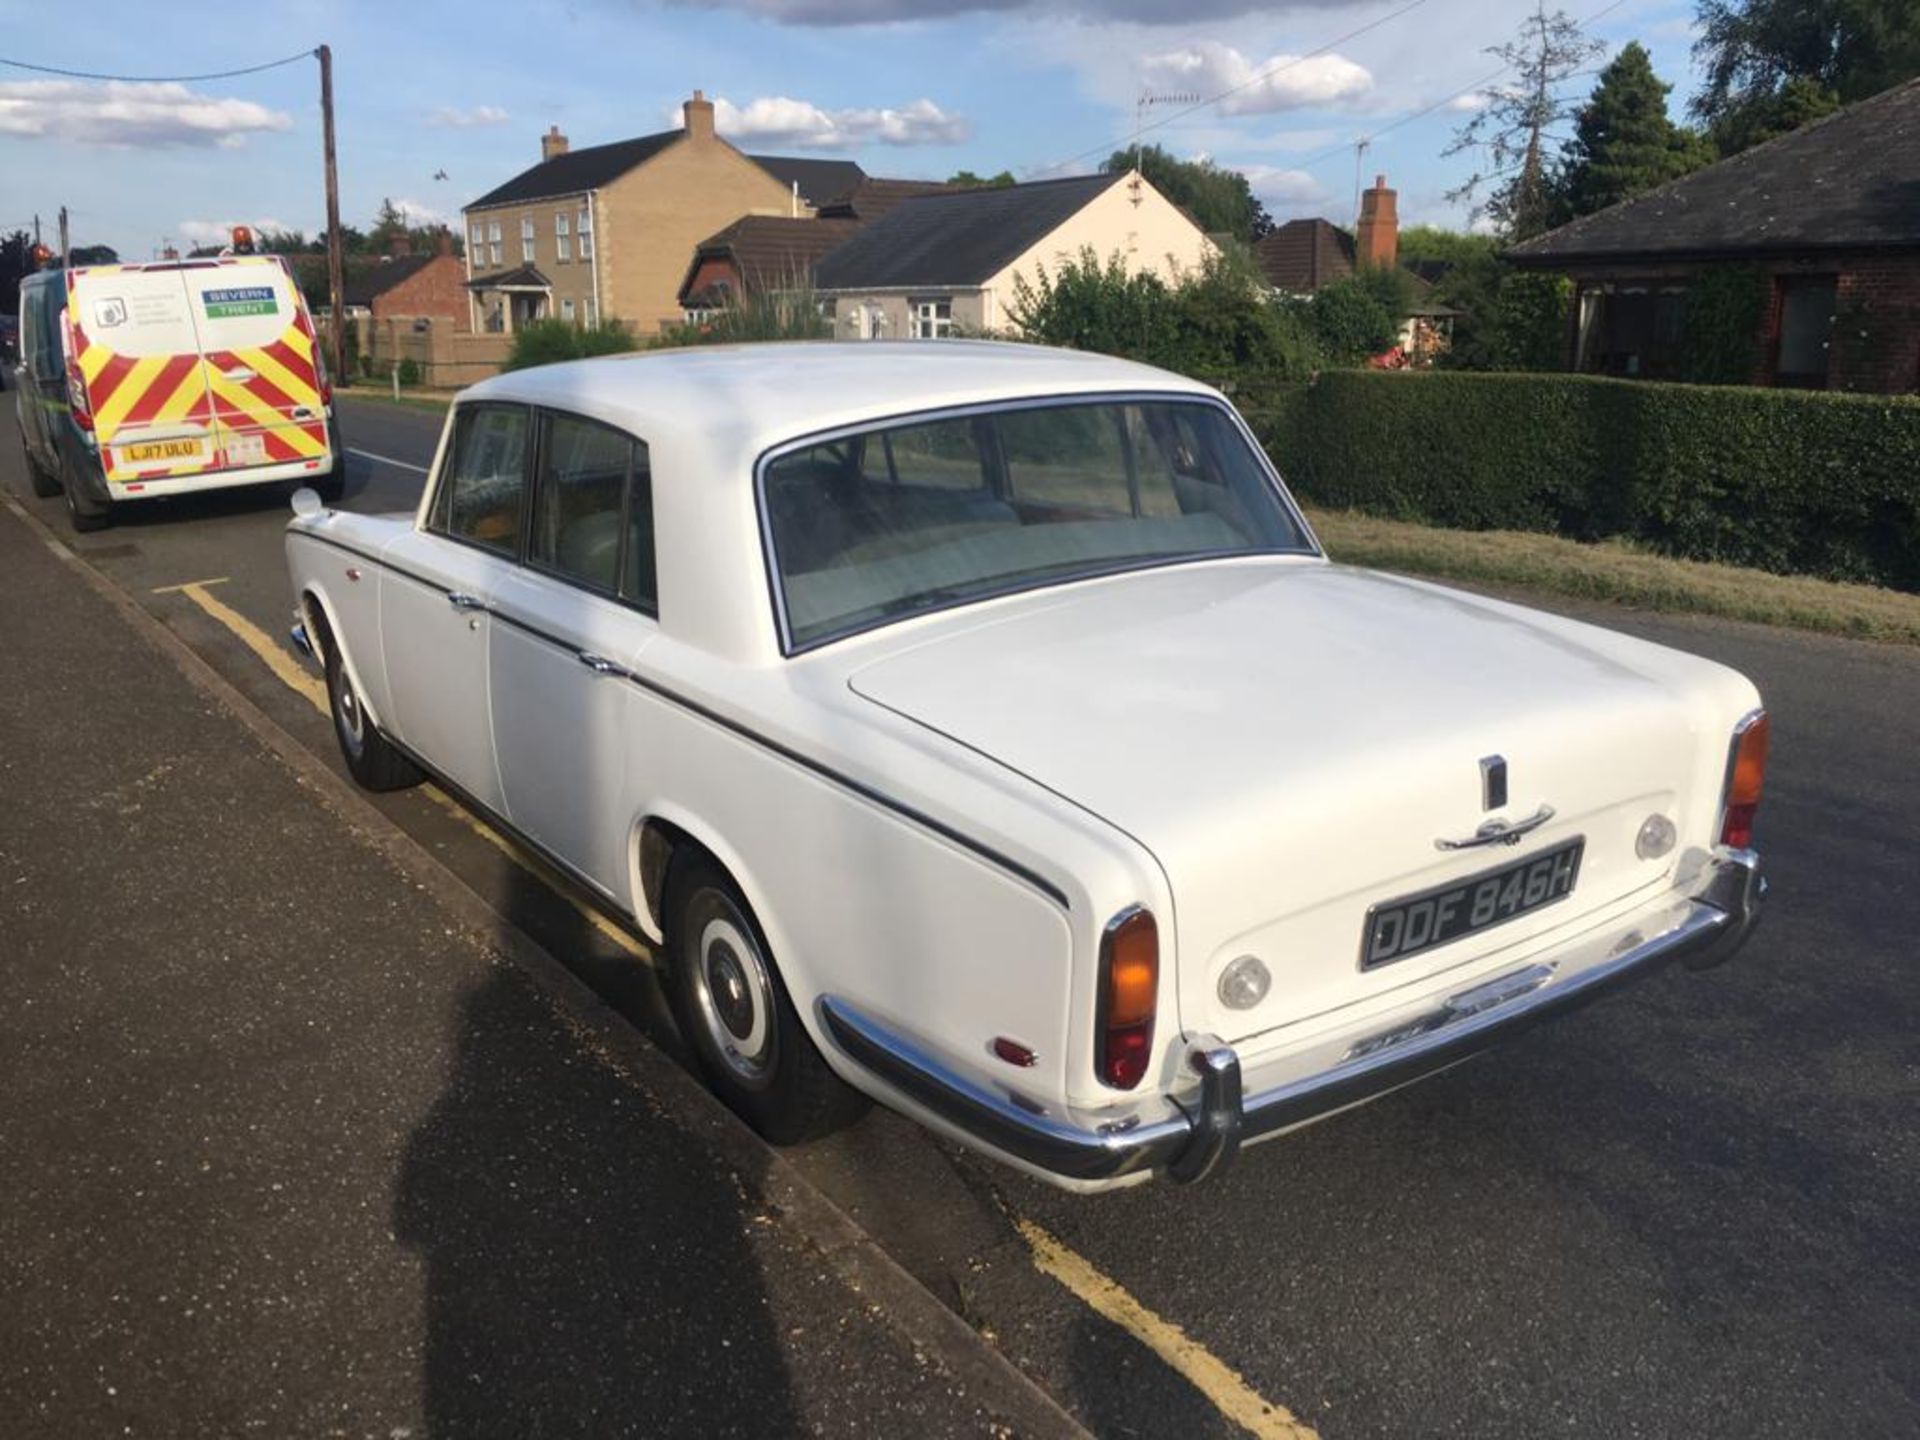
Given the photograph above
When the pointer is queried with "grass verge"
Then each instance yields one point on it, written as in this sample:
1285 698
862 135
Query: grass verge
1620 572
435 401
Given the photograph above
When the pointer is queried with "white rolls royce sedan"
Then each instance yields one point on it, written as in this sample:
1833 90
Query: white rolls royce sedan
979 728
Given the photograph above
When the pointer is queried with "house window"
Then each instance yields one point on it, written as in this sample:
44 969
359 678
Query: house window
566 311
527 243
593 311
477 247
584 228
562 242
932 319
493 243
1806 331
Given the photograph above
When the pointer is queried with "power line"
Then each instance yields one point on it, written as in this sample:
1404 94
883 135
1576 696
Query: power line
1249 83
157 79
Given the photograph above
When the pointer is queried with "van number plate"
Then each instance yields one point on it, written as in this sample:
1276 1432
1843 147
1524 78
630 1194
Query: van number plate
146 452
1405 927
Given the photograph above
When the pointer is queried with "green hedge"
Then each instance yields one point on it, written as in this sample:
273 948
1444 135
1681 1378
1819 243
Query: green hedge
1789 481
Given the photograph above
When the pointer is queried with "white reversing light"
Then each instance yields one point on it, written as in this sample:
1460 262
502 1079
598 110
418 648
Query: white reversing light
1655 839
1244 983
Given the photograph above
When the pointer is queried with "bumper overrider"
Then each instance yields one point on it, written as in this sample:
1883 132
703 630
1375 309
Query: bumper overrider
1189 1135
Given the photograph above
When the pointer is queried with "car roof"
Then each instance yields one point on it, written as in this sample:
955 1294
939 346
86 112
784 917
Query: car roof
746 398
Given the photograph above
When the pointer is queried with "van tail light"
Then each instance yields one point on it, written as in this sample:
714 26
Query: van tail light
76 381
1746 773
1129 995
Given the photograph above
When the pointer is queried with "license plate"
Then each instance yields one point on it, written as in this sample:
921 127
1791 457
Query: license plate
1404 927
145 452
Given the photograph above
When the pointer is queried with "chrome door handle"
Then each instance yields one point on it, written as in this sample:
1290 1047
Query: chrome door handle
1499 832
460 601
599 664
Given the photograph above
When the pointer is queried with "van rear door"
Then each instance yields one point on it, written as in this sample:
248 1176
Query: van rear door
261 365
138 353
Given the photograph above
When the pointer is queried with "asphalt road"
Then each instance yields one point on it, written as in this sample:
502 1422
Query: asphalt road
1688 1211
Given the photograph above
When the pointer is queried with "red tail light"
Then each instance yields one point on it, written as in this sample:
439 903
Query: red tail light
1746 773
1129 995
76 381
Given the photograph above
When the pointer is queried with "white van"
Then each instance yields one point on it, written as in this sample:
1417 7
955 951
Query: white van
141 381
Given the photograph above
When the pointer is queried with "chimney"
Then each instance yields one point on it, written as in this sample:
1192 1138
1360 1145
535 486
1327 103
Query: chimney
698 114
443 241
399 245
1377 236
552 143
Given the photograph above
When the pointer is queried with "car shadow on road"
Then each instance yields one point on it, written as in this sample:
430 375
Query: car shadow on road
586 1266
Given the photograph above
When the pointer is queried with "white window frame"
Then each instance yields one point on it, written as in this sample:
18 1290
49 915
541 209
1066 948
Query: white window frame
477 246
562 237
924 320
593 312
529 241
494 249
567 309
583 230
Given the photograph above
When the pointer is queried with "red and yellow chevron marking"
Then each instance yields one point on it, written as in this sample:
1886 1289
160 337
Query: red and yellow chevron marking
249 421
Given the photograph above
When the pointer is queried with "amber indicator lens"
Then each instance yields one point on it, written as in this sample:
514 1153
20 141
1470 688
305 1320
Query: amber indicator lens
1746 775
1129 993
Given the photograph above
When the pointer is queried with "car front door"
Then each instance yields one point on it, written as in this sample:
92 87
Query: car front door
567 627
437 592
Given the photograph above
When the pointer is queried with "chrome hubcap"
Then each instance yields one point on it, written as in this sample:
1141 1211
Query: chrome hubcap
732 990
347 707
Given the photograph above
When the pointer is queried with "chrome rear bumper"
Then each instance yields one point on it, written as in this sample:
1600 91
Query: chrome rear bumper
1190 1135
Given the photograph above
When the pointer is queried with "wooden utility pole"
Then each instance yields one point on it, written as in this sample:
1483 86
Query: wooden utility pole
336 329
66 259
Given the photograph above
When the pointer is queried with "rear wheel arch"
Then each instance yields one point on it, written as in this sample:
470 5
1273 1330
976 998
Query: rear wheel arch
318 613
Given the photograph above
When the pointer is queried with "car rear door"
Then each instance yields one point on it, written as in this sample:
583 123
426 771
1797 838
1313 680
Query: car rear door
131 333
261 366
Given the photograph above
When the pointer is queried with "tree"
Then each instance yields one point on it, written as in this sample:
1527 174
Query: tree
1220 200
1449 247
1840 50
1799 102
16 263
93 255
1623 143
1518 119
967 180
1349 321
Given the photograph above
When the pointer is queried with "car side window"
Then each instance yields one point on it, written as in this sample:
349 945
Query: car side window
486 478
638 582
579 505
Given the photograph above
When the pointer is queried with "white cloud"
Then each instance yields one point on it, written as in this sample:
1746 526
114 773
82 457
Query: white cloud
419 213
219 232
1285 82
1470 102
130 116
881 12
778 120
1279 188
448 117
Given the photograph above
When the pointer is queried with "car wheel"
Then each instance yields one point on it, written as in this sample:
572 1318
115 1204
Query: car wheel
371 758
84 521
45 485
734 1013
330 487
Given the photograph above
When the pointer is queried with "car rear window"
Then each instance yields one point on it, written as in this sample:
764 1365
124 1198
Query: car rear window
898 520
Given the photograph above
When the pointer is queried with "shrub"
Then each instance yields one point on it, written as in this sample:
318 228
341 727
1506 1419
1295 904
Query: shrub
547 342
1215 323
1791 481
409 371
789 313
1349 321
1721 325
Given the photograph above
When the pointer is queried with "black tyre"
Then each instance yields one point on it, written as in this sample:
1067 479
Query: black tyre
45 485
734 1013
371 759
331 486
84 521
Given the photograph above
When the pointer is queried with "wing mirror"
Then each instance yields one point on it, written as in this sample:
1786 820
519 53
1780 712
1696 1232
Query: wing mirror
306 502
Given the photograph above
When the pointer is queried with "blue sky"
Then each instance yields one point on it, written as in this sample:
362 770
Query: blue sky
906 87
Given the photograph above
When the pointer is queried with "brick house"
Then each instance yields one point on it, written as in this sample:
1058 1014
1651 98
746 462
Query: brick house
607 231
938 264
1828 220
402 286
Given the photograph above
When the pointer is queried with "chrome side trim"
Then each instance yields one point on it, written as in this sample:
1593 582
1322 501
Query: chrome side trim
1200 1133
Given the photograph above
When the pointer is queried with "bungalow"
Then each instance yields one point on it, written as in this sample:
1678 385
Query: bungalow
773 252
1824 221
934 264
